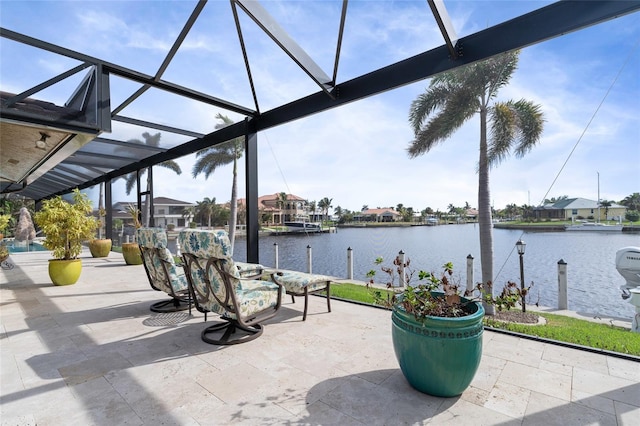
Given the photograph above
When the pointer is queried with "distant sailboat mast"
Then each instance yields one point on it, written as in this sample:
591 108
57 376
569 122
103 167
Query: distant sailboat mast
598 197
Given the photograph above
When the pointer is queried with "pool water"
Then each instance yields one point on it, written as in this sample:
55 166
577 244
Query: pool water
25 248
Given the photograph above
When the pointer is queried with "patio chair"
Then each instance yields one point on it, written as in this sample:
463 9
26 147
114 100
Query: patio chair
163 272
217 286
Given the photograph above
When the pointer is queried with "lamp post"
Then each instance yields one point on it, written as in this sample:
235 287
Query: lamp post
520 245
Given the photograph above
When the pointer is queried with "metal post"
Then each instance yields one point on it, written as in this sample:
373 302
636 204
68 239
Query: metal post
309 265
401 280
469 273
524 306
350 263
275 254
562 284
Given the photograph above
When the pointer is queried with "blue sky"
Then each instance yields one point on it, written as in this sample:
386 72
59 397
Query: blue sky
355 154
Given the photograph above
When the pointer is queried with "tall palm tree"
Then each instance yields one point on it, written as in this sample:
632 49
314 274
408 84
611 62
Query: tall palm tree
207 208
325 205
209 159
455 96
312 208
130 179
606 204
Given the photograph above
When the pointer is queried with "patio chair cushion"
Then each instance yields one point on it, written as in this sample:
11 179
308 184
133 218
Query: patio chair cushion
251 295
295 282
156 238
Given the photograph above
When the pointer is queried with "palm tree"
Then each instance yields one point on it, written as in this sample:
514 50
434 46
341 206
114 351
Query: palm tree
206 208
325 205
632 202
455 96
189 214
209 159
312 208
281 201
130 179
606 204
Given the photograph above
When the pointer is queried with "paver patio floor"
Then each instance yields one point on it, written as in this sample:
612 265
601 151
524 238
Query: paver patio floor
93 353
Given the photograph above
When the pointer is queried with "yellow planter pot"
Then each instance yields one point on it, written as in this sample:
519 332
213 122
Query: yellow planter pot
65 272
131 254
100 247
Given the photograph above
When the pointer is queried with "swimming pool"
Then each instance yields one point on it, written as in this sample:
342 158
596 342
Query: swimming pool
24 248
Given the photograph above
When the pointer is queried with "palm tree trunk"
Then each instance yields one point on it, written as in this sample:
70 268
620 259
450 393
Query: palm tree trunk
484 214
233 208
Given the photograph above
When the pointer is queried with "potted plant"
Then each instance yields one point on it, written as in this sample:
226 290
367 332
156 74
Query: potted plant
66 225
100 247
4 251
436 331
4 221
130 250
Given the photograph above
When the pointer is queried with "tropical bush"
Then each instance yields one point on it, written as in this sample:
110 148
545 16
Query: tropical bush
66 225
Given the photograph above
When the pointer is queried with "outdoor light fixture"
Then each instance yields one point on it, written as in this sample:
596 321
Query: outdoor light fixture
42 142
520 245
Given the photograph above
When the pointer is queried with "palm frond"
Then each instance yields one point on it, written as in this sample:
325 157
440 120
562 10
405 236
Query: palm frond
516 123
458 108
171 165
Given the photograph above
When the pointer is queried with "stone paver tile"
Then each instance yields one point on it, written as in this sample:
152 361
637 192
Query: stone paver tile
320 413
593 401
234 385
603 385
379 405
575 358
624 368
93 368
154 389
546 382
549 411
508 399
102 404
626 414
510 348
488 372
459 412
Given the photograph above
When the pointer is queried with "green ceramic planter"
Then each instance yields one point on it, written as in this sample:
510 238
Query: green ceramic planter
100 247
65 272
131 254
439 357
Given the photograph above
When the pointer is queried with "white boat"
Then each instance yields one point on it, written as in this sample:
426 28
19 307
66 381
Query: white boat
303 226
593 226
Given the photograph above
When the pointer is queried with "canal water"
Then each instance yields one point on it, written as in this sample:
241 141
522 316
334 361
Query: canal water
593 282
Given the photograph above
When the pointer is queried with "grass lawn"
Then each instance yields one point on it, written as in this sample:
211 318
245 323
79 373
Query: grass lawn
558 327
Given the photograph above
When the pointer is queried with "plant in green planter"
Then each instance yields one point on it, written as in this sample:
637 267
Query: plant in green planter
66 225
131 251
4 222
100 247
436 331
4 251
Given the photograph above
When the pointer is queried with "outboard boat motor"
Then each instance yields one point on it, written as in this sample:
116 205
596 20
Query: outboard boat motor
628 265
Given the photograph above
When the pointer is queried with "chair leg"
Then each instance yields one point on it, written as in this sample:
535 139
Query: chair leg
231 335
170 305
306 303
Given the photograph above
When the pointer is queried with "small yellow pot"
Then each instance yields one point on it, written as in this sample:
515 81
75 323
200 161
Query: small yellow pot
131 254
100 247
65 272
